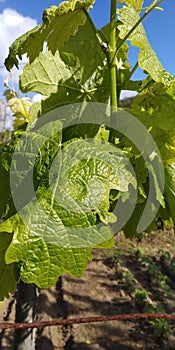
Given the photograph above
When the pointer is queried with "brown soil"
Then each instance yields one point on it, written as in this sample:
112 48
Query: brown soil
110 286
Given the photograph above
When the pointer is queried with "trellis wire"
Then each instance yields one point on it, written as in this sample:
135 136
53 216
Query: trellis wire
80 320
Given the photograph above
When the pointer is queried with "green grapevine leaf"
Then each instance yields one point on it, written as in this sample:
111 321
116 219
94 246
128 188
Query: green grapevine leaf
20 108
170 186
49 74
157 101
44 74
78 73
5 192
59 23
84 45
155 108
77 197
4 189
42 262
147 58
130 229
77 183
8 272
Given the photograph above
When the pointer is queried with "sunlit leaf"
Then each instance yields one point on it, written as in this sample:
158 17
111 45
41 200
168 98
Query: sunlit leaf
59 23
147 58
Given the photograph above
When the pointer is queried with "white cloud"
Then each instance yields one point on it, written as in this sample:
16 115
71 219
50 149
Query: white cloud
12 25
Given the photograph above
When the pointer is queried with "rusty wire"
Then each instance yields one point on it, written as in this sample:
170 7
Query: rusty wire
79 320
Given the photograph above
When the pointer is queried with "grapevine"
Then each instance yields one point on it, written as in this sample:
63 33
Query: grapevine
83 168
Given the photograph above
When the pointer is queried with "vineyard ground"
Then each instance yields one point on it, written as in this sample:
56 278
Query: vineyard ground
133 277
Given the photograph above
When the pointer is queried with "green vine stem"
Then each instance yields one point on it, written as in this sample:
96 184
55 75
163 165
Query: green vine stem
112 54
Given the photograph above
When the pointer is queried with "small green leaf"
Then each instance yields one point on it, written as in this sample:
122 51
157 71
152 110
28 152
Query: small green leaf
20 108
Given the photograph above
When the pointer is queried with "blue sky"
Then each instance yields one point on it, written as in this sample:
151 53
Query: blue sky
159 25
